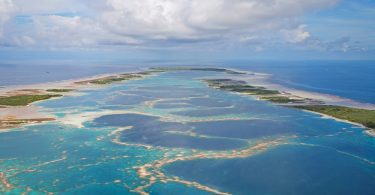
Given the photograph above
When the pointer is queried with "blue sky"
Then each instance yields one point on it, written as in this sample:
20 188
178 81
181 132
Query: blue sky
110 30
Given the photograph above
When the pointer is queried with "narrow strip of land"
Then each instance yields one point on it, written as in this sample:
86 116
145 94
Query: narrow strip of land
23 98
362 117
16 106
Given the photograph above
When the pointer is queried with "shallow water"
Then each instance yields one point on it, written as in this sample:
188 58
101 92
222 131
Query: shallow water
160 134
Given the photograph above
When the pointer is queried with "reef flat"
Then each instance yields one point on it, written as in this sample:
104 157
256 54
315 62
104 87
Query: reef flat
14 104
166 131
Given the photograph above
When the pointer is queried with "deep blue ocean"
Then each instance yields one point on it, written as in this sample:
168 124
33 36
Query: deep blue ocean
351 79
21 74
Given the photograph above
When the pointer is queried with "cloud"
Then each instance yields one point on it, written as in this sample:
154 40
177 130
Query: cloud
95 23
196 18
341 44
296 35
6 9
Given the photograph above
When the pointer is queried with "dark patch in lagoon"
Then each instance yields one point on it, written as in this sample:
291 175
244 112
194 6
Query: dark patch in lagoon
280 171
167 94
246 129
167 105
197 102
208 112
166 88
180 141
151 131
209 102
123 120
116 107
257 128
127 99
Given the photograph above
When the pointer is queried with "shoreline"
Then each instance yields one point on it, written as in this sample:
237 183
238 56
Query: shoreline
326 116
20 115
263 80
368 131
32 114
255 78
259 83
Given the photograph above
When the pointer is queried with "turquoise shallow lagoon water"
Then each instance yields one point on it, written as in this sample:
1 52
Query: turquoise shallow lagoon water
171 134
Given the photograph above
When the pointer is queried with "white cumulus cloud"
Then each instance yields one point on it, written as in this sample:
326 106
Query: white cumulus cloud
81 23
296 35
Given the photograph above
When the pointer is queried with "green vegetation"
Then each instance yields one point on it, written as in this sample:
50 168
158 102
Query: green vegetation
16 122
4 124
282 99
59 90
111 79
239 86
362 116
23 100
106 81
129 76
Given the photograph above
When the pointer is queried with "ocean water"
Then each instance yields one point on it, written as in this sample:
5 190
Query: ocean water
349 79
21 74
171 134
283 170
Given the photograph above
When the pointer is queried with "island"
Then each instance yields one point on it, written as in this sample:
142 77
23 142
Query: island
24 100
172 120
190 68
59 90
357 116
361 116
16 107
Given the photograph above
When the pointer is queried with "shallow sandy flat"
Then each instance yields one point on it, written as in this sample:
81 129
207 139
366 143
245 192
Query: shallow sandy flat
21 112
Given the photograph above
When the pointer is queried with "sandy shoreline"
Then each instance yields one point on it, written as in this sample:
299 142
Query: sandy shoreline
336 119
253 78
16 116
263 80
34 114
370 132
314 98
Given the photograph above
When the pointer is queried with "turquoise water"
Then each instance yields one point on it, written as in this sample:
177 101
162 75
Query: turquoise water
349 79
171 134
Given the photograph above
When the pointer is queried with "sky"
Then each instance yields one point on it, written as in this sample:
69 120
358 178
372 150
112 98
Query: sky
187 29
